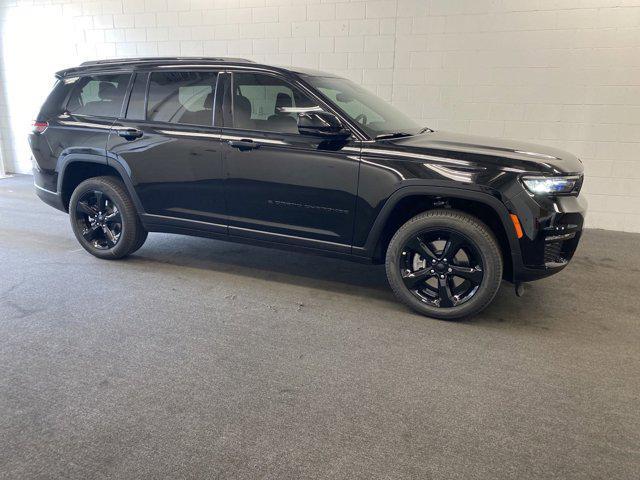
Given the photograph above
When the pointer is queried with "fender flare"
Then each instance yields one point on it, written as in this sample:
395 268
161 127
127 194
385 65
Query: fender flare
66 160
431 190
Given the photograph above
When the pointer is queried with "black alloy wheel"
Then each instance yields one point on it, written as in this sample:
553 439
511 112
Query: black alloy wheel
444 264
104 218
99 219
442 268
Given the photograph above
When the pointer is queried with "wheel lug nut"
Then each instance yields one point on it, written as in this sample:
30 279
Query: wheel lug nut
441 276
449 270
432 271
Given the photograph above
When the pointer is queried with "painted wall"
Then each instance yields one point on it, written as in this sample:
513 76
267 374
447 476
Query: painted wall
559 72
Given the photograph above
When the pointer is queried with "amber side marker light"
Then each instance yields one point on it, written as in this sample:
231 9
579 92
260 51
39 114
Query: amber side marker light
516 225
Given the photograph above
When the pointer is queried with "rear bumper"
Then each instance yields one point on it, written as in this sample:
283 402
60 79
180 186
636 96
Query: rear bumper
46 186
552 230
49 197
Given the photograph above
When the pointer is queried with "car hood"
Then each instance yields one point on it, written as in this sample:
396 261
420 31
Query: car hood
500 152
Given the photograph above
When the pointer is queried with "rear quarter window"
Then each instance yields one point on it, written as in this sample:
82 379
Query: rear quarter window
54 104
99 95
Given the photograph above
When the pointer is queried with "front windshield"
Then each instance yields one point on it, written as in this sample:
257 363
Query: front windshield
373 115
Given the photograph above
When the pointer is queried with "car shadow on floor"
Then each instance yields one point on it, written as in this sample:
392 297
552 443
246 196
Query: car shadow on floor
307 270
312 271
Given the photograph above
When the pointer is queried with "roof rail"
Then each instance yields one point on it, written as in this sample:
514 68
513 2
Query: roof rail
162 59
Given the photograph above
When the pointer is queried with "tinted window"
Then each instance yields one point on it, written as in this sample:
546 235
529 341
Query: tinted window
135 110
261 102
181 97
373 114
100 95
54 104
223 114
352 106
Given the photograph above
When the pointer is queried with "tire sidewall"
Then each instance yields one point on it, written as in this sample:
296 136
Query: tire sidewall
475 232
128 234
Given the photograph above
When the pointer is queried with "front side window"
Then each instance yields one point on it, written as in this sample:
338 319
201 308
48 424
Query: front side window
181 97
374 115
265 103
99 95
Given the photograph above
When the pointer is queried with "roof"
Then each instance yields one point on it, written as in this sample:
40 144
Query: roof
97 65
102 65
147 60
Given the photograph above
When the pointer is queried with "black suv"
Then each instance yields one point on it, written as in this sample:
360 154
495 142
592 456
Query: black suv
229 149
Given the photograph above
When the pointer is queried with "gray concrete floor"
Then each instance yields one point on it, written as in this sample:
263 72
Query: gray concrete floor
203 359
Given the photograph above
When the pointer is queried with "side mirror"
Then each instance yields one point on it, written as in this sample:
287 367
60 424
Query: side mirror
321 124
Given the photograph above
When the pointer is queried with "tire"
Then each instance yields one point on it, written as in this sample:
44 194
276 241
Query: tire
101 202
142 237
475 271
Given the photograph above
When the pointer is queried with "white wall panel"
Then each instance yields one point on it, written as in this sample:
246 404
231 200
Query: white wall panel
560 72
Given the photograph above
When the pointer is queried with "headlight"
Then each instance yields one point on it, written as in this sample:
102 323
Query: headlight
550 185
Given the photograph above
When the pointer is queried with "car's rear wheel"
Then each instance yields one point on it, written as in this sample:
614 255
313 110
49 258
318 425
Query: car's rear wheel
104 218
444 264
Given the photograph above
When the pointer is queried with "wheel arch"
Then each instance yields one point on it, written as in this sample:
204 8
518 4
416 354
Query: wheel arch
75 168
407 202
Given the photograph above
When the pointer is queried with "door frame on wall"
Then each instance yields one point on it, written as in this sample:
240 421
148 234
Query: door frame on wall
2 169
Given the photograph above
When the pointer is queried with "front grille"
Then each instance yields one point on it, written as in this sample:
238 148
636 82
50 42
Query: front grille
553 253
561 240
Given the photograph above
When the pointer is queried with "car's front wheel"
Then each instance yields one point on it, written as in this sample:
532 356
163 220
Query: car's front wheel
104 219
444 264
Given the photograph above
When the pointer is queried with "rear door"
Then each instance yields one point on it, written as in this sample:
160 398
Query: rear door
169 145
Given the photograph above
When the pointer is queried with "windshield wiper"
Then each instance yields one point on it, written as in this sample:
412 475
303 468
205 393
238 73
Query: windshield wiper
382 136
427 129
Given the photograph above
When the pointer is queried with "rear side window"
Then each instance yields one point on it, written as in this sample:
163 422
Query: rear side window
135 110
181 97
99 95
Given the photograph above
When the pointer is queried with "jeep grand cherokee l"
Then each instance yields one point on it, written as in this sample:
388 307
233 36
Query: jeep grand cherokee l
297 159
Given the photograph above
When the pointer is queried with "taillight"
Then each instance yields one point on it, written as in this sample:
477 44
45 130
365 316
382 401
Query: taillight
40 127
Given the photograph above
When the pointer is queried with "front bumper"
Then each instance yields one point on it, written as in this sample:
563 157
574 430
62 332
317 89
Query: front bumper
552 230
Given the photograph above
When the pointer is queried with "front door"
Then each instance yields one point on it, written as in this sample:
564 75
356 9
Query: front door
169 144
283 186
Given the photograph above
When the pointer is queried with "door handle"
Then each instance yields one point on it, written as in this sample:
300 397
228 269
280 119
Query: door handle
244 144
130 133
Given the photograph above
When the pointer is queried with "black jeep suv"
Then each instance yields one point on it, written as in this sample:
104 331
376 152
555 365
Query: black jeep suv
229 149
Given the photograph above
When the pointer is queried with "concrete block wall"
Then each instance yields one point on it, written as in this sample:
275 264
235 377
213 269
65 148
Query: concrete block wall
559 72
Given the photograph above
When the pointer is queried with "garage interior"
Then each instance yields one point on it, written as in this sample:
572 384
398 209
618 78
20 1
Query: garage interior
195 358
